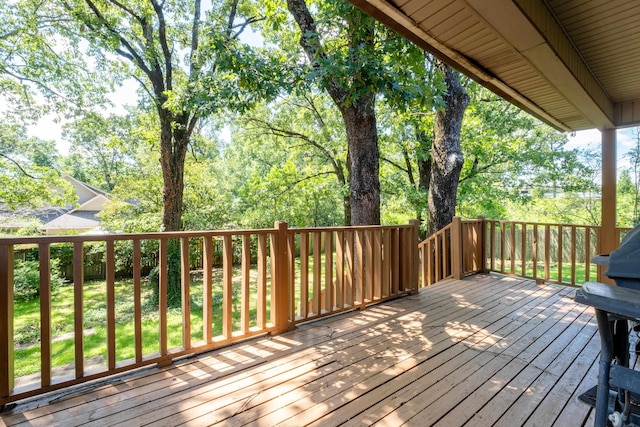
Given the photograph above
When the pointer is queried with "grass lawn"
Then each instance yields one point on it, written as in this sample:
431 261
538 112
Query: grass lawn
27 321
553 270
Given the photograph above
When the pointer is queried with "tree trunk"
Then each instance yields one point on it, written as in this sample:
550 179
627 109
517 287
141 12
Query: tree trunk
173 148
357 109
447 158
364 182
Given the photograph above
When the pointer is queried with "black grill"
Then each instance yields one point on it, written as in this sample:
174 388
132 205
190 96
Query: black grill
624 263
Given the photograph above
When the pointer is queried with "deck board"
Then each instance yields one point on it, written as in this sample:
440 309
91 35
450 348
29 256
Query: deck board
487 350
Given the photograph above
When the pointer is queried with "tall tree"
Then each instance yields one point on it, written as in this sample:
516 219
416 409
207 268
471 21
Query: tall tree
349 77
447 157
173 49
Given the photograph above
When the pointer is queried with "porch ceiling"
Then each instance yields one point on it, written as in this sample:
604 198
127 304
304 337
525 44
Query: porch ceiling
572 63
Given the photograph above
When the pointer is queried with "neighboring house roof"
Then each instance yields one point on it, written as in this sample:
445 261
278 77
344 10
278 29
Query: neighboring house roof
75 220
56 219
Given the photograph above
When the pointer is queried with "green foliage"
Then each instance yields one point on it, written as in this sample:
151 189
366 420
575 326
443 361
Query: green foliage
27 279
27 174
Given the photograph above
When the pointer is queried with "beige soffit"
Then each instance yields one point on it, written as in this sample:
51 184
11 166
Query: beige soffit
571 63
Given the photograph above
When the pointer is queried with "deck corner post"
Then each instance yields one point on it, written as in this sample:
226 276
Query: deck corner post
415 264
6 322
482 239
281 278
456 248
607 241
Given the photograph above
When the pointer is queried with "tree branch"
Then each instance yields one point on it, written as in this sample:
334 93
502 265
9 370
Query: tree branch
24 172
162 35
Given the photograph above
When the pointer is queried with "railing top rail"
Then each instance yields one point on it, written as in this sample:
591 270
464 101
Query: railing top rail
15 240
347 228
25 240
550 224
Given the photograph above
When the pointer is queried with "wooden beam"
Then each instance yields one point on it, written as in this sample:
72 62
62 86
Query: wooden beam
6 321
608 241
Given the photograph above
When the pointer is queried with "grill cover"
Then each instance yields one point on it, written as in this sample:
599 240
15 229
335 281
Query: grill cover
624 262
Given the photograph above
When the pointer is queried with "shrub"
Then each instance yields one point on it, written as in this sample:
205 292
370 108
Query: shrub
26 279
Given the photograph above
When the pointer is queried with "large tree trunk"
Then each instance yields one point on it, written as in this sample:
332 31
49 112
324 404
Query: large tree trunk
358 110
447 158
364 182
172 158
173 148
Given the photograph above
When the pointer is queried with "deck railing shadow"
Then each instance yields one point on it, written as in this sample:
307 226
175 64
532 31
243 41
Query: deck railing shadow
251 282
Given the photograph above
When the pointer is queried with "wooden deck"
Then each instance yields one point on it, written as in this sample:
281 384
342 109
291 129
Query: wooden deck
487 350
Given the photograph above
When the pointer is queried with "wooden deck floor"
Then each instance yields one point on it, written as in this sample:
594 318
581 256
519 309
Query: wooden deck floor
484 351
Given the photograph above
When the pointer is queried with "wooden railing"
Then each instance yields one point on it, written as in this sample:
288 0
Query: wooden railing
552 253
332 270
453 252
280 277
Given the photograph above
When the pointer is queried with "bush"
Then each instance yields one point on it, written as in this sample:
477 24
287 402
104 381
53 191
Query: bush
26 279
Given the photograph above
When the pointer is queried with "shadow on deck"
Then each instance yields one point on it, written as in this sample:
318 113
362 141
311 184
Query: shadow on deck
486 350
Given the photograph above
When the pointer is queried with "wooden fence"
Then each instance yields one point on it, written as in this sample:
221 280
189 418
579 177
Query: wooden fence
268 281
552 253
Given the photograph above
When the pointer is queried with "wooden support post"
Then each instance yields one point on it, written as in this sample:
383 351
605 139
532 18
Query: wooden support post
45 314
281 279
482 242
607 241
415 256
6 321
185 285
457 269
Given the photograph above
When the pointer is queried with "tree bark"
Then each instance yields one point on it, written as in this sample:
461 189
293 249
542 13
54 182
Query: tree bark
358 113
447 158
364 182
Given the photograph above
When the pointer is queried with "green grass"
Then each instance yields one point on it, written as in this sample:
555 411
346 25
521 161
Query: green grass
27 321
580 270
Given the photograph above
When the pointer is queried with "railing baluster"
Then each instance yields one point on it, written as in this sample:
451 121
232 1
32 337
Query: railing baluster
587 254
340 298
317 269
359 263
376 260
78 285
137 299
45 314
227 287
262 281
329 289
111 305
162 293
573 255
304 275
523 248
368 262
534 251
547 250
512 264
246 297
349 290
185 284
291 274
6 321
502 247
395 264
560 254
207 290
386 263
